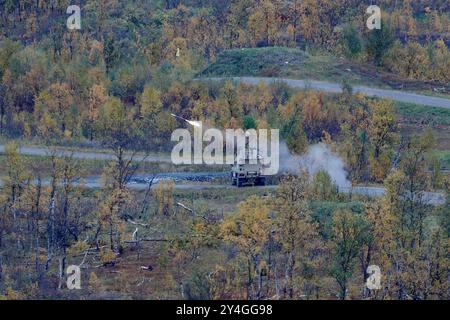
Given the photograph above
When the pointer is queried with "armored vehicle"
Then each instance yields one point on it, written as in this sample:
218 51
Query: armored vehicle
248 174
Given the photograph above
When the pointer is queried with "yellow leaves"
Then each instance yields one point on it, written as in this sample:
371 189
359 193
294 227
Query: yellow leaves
262 124
199 228
12 154
27 131
295 232
291 33
315 112
200 234
150 101
97 98
418 62
403 20
441 62
57 99
264 97
250 227
312 106
382 219
256 26
313 14
380 167
119 198
183 58
383 131
383 117
152 113
199 111
48 127
202 33
427 141
107 256
94 283
16 170
293 106
263 23
78 248
225 283
95 52
163 193
294 190
67 134
436 175
114 112
52 111
108 175
228 92
348 230
117 126
97 75
11 295
324 188
42 258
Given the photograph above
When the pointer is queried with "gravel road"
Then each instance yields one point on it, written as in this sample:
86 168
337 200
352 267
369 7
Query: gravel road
330 87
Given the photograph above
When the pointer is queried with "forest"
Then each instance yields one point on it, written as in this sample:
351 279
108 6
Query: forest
95 106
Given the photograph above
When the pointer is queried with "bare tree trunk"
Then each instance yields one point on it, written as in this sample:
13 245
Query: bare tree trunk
50 230
2 116
277 284
260 283
62 265
111 237
146 200
51 217
249 280
1 269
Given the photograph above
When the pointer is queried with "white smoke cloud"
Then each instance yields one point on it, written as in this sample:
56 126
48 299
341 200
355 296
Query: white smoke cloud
318 157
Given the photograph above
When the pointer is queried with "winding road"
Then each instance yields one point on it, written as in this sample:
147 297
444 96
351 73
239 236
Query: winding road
402 96
141 182
214 180
186 180
330 87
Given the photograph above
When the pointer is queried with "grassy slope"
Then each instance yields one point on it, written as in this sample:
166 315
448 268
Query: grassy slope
432 116
298 64
417 118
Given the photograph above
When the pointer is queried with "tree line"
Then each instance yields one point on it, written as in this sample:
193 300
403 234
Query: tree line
303 241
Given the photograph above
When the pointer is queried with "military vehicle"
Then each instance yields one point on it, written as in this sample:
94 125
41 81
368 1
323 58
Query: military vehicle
248 174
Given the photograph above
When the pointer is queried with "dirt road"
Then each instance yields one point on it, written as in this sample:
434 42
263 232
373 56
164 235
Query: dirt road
215 180
330 87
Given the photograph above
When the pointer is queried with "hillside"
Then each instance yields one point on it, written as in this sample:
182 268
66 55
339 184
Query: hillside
297 64
101 196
